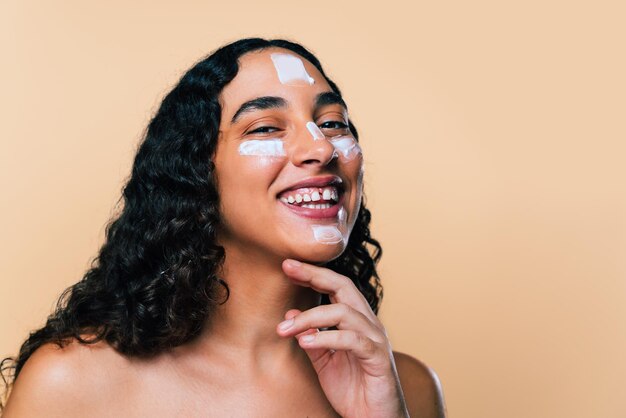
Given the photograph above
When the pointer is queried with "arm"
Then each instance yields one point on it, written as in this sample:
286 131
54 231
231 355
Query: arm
421 387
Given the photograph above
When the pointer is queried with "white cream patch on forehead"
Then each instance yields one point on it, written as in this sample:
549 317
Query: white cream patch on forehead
263 148
327 234
315 131
347 147
290 69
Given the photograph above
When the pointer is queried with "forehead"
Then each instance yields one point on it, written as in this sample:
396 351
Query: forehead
259 76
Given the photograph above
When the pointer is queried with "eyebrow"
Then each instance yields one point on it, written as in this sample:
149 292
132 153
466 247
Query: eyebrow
260 103
273 102
329 98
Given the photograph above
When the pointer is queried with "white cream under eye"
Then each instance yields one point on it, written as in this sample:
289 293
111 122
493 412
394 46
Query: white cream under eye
262 148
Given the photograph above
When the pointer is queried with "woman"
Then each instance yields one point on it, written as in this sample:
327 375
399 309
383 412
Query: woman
196 304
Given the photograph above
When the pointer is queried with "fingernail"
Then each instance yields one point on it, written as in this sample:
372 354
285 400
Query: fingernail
308 338
294 263
286 324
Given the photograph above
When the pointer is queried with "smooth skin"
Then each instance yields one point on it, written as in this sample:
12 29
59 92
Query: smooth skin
243 364
355 363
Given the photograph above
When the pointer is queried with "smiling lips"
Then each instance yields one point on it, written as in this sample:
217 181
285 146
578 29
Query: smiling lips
311 197
318 198
325 202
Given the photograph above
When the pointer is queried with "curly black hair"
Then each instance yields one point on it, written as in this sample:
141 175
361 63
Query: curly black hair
154 282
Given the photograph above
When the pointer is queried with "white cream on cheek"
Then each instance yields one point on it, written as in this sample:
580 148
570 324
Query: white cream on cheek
262 148
347 147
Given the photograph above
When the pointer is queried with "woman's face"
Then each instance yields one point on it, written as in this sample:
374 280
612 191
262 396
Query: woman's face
288 169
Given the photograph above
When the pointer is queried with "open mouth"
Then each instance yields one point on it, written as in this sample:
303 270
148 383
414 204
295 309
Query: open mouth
313 201
311 197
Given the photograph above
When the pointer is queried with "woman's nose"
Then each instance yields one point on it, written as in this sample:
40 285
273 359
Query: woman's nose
310 146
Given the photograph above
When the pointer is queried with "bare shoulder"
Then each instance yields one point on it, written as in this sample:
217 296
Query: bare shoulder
65 381
421 387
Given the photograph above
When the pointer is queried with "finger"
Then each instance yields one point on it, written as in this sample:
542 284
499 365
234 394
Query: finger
314 354
323 280
317 355
362 347
338 315
291 313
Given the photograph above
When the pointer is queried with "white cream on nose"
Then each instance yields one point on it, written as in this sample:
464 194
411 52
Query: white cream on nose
315 131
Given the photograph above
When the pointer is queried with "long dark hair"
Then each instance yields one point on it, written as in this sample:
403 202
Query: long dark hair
154 284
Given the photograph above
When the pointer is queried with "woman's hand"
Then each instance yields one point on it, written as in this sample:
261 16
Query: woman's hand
354 363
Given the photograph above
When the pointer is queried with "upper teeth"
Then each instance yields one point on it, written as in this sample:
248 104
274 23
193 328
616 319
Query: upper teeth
311 195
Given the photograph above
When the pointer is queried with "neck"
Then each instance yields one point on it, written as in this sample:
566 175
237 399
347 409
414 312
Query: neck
244 327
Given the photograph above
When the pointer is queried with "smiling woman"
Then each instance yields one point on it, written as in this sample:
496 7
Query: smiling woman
238 278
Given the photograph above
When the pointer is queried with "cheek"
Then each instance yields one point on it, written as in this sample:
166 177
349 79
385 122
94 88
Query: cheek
243 185
355 171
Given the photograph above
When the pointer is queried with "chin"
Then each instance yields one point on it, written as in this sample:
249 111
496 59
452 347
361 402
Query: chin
318 253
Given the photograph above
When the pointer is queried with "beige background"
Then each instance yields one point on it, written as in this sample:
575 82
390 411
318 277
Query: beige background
494 135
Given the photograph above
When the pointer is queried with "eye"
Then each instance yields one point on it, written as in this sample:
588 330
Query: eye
333 124
334 128
263 130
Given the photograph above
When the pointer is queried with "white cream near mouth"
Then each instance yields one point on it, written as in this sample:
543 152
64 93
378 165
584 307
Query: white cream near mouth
327 234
